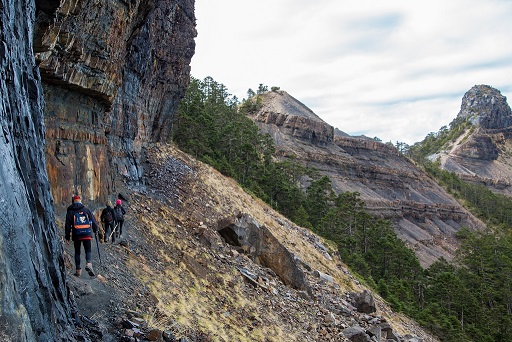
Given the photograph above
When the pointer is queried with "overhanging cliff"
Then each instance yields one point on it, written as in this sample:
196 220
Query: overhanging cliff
113 73
85 85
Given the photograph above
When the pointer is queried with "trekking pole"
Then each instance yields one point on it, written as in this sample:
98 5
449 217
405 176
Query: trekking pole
98 245
113 232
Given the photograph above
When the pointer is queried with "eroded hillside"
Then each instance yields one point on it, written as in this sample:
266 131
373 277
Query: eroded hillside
205 260
426 216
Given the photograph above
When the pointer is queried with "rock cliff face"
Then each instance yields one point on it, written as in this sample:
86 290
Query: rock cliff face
113 73
35 303
85 85
392 187
482 153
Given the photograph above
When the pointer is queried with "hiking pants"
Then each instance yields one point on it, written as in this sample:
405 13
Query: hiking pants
109 228
120 225
88 251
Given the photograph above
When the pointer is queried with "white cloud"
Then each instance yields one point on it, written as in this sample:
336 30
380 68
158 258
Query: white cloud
392 69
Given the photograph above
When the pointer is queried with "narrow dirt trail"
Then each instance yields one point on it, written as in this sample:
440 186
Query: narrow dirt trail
103 301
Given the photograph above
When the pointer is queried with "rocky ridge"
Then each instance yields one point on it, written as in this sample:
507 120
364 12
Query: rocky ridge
482 153
392 187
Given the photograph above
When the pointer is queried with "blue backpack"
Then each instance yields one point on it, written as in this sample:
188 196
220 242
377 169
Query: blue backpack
82 226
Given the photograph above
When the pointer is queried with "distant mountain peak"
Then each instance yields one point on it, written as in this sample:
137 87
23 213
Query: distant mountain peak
485 106
481 153
281 112
281 102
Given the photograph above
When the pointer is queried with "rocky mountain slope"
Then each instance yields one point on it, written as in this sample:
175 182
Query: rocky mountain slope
392 187
88 88
482 154
204 261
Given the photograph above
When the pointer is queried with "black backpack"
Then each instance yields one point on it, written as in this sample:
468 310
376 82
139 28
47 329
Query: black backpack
108 216
119 213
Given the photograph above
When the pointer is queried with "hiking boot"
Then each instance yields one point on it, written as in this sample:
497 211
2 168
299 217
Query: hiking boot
78 272
89 270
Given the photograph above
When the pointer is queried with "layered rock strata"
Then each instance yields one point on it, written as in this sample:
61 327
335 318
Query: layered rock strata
293 118
113 73
392 187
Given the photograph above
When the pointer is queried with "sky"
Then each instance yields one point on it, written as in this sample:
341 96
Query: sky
392 69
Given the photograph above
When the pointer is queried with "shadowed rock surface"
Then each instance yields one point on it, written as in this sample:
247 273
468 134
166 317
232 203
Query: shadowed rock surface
111 74
35 303
392 187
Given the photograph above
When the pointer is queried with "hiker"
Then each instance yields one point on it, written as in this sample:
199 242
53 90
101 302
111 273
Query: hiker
120 212
108 219
80 226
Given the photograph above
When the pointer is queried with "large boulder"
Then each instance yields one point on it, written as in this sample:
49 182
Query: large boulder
264 248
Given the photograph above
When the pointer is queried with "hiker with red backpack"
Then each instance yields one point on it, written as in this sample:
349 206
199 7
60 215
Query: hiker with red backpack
119 215
80 226
108 219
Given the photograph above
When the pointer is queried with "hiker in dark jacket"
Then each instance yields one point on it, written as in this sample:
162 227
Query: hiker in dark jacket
81 234
108 219
120 212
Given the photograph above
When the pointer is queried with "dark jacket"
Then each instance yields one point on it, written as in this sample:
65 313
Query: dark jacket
72 210
120 212
103 216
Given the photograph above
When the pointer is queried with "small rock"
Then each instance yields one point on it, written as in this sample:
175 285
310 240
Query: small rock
131 314
101 279
154 335
329 318
128 332
168 336
138 320
356 334
129 324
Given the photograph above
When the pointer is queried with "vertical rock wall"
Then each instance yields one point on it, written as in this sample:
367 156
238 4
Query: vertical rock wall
35 304
113 73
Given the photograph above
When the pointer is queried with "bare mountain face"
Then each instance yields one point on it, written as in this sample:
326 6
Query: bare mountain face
86 100
482 153
392 187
